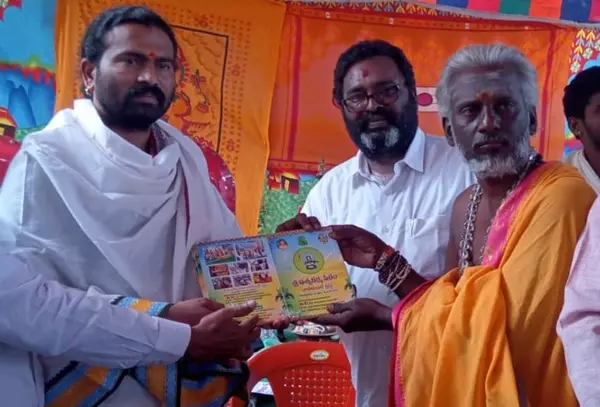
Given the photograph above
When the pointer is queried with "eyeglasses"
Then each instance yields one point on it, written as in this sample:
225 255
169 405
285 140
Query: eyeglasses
383 97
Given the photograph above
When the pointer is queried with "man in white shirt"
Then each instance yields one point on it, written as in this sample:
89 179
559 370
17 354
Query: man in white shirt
581 103
111 200
400 186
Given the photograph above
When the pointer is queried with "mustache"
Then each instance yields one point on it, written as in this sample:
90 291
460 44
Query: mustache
144 89
485 138
370 116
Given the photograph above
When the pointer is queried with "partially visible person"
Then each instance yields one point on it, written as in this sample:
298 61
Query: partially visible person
581 103
400 185
484 333
579 322
113 199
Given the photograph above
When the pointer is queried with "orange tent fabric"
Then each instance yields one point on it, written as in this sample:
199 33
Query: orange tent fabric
225 84
306 127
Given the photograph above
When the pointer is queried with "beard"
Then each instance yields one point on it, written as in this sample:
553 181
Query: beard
128 113
392 141
497 166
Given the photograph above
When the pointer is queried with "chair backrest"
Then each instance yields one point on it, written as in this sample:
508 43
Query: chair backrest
304 373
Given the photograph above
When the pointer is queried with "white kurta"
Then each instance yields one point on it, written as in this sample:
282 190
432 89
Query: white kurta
411 213
66 322
109 217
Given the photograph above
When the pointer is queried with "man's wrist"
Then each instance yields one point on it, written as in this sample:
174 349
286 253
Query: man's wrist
384 318
172 342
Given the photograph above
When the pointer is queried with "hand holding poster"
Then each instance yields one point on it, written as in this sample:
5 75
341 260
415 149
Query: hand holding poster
291 274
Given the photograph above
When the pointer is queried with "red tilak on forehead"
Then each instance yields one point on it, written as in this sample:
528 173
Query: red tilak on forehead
482 95
152 55
365 73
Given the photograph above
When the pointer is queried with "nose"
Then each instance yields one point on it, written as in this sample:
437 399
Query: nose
372 104
148 74
489 122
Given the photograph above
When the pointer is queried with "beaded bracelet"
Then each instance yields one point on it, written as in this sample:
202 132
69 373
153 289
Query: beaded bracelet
388 253
393 269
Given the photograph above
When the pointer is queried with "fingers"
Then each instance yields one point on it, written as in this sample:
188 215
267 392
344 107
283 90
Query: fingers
339 307
250 324
237 311
278 323
300 222
311 224
210 304
328 319
341 232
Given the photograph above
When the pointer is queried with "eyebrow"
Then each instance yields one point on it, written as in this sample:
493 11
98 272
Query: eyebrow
362 89
145 56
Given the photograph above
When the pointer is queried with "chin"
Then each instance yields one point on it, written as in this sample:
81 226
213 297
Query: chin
494 167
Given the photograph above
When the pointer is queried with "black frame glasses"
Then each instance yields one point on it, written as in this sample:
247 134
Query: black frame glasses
383 97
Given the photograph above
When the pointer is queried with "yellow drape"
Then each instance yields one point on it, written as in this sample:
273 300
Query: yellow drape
229 55
491 339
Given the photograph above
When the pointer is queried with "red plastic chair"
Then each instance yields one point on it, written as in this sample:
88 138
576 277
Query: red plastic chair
306 374
8 148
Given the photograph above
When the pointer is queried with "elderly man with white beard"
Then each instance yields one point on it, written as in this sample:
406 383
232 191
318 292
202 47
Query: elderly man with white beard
484 332
400 185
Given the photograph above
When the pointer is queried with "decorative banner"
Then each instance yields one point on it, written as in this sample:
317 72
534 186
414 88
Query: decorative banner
307 128
579 11
225 85
27 84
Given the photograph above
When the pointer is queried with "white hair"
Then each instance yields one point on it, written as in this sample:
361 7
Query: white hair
495 55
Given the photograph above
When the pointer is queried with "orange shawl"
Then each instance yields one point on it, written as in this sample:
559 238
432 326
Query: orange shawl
489 338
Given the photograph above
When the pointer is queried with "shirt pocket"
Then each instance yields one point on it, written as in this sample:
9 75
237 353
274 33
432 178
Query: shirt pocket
425 244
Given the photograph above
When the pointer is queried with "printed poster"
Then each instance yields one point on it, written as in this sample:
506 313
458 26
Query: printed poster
292 274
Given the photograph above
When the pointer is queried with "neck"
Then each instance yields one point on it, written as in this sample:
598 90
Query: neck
592 156
383 166
497 187
137 138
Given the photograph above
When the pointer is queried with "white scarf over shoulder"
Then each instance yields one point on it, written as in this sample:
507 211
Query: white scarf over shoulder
577 159
107 214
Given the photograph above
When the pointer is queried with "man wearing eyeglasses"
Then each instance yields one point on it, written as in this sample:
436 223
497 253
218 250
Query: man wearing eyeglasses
400 186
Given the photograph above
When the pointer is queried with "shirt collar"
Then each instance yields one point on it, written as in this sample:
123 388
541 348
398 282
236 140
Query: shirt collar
414 157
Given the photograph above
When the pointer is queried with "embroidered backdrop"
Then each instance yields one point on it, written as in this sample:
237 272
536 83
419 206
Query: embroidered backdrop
225 84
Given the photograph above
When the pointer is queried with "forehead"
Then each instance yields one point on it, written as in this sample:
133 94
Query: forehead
477 84
140 39
370 72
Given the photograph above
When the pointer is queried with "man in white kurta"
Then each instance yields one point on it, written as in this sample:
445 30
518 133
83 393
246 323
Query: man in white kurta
404 195
45 317
111 198
110 218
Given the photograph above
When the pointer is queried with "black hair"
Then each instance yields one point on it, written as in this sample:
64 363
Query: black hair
369 49
579 92
93 43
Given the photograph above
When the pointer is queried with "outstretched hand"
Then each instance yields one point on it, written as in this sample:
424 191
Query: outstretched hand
359 247
219 336
359 314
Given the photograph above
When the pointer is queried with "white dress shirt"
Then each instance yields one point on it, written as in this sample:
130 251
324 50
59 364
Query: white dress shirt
110 218
410 212
579 321
44 317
